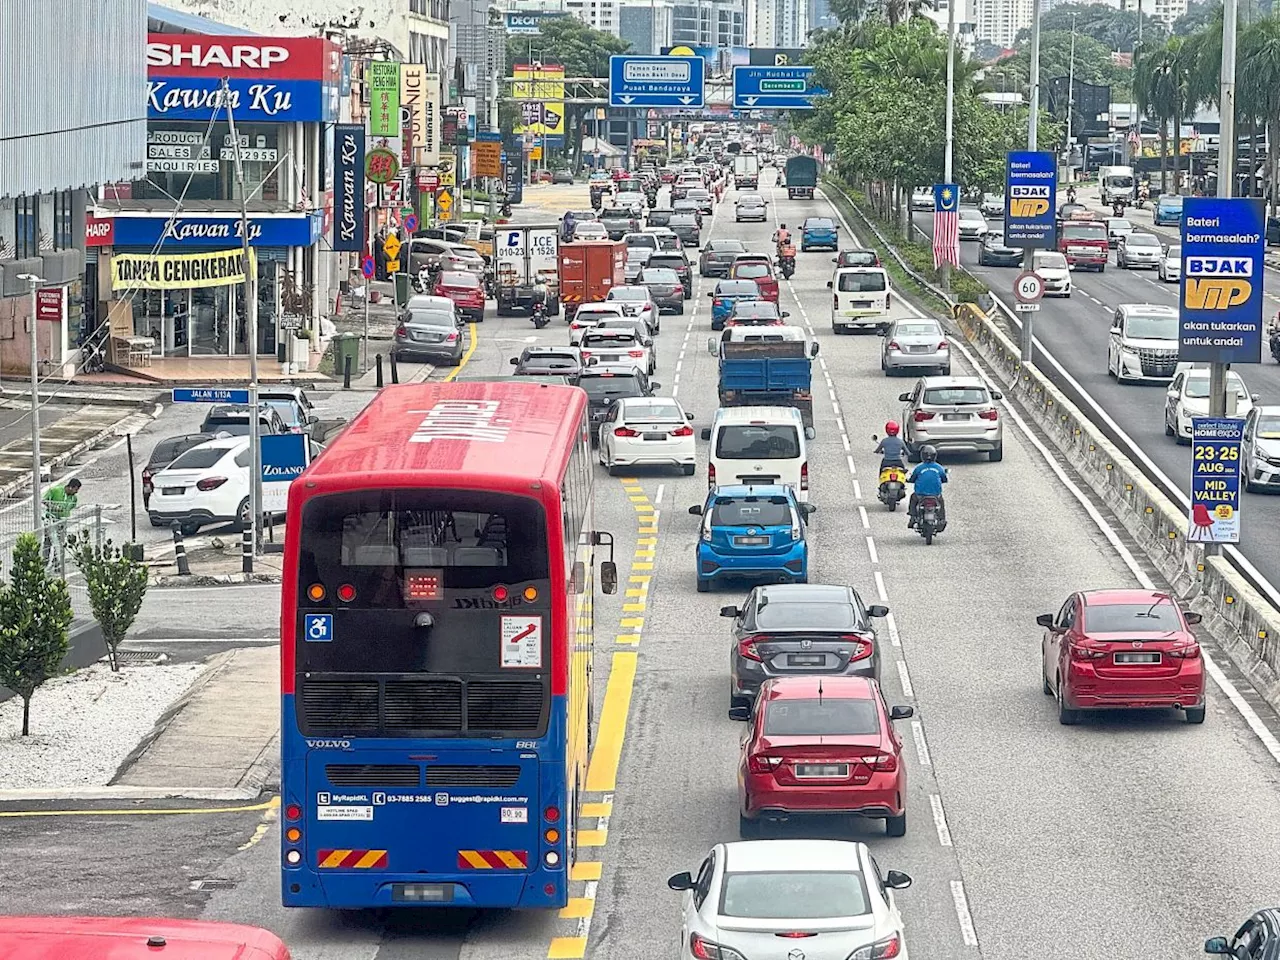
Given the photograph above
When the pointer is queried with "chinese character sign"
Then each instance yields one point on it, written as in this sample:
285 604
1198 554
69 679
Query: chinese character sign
384 99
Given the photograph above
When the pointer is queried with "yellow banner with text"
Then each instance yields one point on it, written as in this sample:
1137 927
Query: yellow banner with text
179 271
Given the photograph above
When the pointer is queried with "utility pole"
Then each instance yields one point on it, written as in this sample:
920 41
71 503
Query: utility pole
948 163
37 505
1033 134
1071 92
251 315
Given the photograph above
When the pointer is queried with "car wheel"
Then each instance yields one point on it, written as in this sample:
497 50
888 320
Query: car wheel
1168 430
680 309
1066 716
704 586
1044 682
1194 714
243 516
189 528
749 829
996 455
913 454
946 371
1103 268
896 826
157 522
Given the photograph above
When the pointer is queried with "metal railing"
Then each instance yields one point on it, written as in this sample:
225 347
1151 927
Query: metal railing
15 520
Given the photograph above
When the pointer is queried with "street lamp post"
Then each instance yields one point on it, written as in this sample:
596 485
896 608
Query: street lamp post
1033 134
948 157
37 508
1071 94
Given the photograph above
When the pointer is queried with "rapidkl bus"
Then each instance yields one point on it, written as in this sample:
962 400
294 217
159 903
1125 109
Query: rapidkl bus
134 938
436 643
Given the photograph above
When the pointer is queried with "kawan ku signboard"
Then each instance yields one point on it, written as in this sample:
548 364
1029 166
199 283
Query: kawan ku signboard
269 79
1220 300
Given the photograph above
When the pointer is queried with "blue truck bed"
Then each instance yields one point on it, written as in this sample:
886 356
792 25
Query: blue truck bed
753 373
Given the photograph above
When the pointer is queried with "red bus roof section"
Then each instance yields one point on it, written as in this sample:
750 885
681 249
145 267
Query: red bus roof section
126 938
489 435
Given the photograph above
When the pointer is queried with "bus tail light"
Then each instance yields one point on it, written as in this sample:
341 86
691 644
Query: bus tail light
293 834
551 814
315 593
552 835
551 858
500 593
531 594
293 812
293 857
346 593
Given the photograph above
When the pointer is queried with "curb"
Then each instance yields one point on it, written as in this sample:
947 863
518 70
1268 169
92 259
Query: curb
18 396
263 775
215 580
63 458
225 795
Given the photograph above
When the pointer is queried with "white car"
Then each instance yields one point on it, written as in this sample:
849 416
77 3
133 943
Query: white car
1052 268
647 431
590 230
1188 396
1170 267
973 225
1117 227
636 302
1139 250
922 198
588 315
748 895
619 346
992 205
1143 343
206 485
632 202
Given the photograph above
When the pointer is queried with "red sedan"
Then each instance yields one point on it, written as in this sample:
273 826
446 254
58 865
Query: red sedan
1122 648
821 746
759 269
465 289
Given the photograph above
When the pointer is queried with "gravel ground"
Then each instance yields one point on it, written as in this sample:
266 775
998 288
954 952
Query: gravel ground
84 725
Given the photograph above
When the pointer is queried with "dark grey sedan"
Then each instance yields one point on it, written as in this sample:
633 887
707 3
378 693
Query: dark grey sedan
429 334
686 227
718 256
665 288
800 629
996 253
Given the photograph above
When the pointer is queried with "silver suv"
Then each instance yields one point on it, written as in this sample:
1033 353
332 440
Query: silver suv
953 414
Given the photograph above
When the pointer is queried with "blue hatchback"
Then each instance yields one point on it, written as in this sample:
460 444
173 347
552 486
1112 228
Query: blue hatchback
1168 212
727 293
819 232
753 532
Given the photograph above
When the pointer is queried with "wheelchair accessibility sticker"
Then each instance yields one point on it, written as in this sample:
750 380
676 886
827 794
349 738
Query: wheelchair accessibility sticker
318 627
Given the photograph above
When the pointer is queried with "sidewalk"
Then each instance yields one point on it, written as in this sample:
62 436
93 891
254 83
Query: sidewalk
223 736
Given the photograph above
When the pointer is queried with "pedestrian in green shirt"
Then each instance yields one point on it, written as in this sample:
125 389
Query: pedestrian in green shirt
59 502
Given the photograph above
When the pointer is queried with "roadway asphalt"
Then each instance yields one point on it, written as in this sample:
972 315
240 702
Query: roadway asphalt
1127 836
1074 333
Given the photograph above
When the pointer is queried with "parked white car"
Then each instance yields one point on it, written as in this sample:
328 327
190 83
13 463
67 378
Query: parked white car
588 315
1188 396
209 484
647 431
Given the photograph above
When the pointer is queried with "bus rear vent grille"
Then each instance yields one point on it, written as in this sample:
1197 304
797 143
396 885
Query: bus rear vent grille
444 775
373 774
504 705
423 705
340 706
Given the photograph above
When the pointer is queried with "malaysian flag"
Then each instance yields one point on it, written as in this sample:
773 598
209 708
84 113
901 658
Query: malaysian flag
946 224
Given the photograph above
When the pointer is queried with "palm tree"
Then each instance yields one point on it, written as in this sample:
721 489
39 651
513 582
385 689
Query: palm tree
1163 89
1259 55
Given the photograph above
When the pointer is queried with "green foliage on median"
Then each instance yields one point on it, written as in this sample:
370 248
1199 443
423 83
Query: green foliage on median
35 617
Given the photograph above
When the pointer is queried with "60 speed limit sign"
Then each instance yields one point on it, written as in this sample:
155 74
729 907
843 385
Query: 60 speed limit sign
1029 289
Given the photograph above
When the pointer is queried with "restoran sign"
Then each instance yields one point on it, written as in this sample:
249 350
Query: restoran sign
144 271
270 79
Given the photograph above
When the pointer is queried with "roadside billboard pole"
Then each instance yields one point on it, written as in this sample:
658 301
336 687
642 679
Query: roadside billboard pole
1226 168
1033 140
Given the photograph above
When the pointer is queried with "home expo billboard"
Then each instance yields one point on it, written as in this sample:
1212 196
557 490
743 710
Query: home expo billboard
269 79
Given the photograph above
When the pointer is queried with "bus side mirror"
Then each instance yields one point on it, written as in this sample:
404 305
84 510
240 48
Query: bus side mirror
608 577
829 285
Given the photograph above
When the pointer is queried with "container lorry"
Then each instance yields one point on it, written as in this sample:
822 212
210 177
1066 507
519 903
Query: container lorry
801 175
527 265
746 171
589 269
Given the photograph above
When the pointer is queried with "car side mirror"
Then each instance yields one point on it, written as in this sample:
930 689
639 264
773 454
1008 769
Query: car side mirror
835 259
515 361
904 398
997 395
1045 620
739 713
810 433
695 510
1115 329
877 610
730 611
829 287
813 347
901 713
1217 945
1193 618
688 416
785 313
706 433
654 385
608 577
807 510
1254 397
711 345
681 881
897 880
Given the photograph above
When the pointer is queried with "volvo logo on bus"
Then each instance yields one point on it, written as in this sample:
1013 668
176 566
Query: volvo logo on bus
329 744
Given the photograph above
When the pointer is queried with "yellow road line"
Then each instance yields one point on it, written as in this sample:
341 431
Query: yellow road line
635 622
592 838
644 508
629 481
466 357
647 542
644 554
643 579
186 811
628 638
567 948
639 498
601 809
634 592
633 607
602 774
578 907
586 870
642 566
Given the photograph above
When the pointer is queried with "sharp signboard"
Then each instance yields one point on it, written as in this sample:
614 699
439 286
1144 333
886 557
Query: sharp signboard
1220 300
1031 178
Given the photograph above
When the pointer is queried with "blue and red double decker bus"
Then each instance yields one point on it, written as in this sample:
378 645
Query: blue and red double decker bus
436 644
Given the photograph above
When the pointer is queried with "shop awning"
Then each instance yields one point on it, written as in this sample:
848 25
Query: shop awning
164 20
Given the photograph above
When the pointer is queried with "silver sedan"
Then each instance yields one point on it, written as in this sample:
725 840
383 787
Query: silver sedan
915 345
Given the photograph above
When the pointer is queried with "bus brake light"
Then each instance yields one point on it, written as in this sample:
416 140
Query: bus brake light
346 593
500 593
293 812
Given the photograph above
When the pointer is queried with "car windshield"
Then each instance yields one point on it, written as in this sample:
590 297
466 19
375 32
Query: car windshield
602 385
751 201
1117 224
955 395
459 279
738 288
1084 231
288 411
798 895
642 240
652 275
1198 386
858 258
819 224
759 309
201 458
967 213
1158 617
803 615
1147 327
628 293
1174 252
652 412
1141 240
431 318
870 282
1048 261
758 441
751 512
828 717
668 263
917 330
1268 428
752 270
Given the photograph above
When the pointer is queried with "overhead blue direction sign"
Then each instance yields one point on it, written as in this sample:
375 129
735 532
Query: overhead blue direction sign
209 395
774 88
656 81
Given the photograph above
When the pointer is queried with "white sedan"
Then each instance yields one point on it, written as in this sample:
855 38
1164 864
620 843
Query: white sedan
644 431
587 316
1188 397
749 894
636 302
1170 267
590 230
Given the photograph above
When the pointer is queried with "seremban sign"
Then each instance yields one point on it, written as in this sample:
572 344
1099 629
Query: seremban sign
280 79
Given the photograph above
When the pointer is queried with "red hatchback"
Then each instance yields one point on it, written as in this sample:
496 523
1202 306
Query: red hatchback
759 269
818 746
466 290
1122 648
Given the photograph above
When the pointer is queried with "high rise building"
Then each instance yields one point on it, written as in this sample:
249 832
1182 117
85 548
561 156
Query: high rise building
821 17
777 23
1165 10
998 21
597 14
710 23
646 26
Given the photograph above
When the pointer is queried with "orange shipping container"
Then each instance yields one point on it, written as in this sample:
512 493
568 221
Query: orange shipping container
589 269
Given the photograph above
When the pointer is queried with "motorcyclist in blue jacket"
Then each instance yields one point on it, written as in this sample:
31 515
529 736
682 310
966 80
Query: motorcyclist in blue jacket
927 479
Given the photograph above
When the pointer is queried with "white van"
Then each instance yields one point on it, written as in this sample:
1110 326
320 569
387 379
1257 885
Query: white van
859 298
759 445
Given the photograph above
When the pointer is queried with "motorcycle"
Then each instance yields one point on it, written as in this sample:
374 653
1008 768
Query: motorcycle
1117 208
505 212
422 281
787 263
1274 338
651 197
928 518
893 485
538 314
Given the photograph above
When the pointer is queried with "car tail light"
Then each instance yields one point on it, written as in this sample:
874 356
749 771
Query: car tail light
1186 651
861 647
882 762
685 431
210 483
719 302
921 415
795 935
711 475
991 414
625 432
452 338
893 345
586 354
576 326
704 949
944 345
402 331
804 476
835 302
758 764
885 949
747 648
635 353
1081 652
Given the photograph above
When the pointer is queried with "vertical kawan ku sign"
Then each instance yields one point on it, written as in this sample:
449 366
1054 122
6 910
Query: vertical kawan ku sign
348 187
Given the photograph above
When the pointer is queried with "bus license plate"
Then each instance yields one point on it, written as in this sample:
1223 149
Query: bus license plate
422 892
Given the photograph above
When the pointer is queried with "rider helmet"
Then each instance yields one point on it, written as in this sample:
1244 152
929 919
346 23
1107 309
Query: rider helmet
891 428
928 453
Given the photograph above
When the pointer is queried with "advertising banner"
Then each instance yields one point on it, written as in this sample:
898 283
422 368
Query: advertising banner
348 204
486 158
271 79
1030 213
414 100
99 231
776 56
141 230
179 271
284 457
384 98
531 22
1215 480
1220 300
543 83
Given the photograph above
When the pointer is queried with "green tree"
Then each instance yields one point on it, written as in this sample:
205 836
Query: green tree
1115 29
1164 89
1092 63
117 584
1197 17
1259 85
35 615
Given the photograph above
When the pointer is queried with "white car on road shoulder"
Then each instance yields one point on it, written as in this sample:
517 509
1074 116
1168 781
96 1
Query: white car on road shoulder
1188 397
647 431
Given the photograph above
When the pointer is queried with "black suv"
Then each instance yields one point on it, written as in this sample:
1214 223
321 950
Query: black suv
606 383
673 260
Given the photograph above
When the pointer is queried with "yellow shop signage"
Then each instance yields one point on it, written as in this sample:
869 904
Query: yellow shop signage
176 271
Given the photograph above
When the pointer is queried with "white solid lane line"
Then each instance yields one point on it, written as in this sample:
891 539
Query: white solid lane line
962 914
